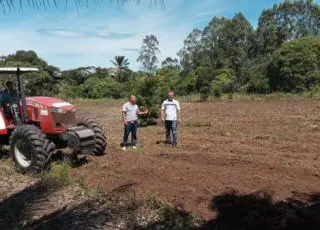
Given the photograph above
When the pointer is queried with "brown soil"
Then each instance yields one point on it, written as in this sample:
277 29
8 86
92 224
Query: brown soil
245 145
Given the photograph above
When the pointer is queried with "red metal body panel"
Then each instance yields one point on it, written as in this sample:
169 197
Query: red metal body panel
39 110
3 124
50 102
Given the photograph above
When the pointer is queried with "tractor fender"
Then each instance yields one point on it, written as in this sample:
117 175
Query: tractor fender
80 138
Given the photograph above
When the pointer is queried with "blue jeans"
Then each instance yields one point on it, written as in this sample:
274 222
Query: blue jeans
171 127
130 127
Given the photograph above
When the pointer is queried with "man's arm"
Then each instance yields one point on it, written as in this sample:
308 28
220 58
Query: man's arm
178 112
141 113
162 112
124 113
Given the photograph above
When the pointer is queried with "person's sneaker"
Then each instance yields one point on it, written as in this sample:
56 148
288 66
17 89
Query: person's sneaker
124 148
174 144
134 147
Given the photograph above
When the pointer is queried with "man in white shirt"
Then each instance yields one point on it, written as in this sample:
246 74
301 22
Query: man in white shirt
170 114
130 113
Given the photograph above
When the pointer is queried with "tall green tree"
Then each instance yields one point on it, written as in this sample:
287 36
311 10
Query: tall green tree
148 53
235 42
122 64
41 83
295 66
287 21
190 54
210 41
170 63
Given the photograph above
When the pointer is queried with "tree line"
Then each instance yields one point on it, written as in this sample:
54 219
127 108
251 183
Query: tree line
228 55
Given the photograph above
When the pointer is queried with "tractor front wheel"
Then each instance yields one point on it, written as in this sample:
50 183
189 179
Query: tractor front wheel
99 131
30 149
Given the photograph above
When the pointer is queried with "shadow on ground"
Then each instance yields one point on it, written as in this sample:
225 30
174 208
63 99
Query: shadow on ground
91 214
20 207
257 211
235 211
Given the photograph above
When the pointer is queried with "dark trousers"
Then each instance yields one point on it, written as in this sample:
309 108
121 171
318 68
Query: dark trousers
130 127
171 128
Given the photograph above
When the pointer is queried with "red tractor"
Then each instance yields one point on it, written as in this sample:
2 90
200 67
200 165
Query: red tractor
36 127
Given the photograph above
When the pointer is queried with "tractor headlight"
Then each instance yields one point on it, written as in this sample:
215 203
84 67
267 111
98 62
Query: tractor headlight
58 110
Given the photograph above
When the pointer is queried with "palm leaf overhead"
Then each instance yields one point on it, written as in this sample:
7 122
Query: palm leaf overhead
44 4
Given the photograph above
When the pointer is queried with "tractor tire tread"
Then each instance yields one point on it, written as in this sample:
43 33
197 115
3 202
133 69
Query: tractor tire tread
99 130
42 148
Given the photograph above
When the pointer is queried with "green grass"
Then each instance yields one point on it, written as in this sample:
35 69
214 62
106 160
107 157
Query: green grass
196 98
59 173
86 101
246 96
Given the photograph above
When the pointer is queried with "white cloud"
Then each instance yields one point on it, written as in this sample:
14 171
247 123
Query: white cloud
209 12
71 48
64 33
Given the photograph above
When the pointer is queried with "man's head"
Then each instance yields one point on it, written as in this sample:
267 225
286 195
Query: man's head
9 84
133 99
170 95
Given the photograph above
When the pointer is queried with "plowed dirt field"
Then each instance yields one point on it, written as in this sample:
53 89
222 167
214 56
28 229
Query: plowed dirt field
244 145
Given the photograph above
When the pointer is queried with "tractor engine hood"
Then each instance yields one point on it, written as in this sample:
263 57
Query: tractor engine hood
50 103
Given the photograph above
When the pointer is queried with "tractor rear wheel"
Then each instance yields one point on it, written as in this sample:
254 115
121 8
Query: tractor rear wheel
98 129
30 149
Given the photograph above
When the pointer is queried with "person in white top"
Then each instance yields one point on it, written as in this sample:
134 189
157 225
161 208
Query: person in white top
130 113
170 114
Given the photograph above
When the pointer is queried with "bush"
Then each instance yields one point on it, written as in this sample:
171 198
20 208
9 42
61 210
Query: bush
150 92
205 92
102 88
294 67
217 91
224 81
315 91
186 84
257 80
67 91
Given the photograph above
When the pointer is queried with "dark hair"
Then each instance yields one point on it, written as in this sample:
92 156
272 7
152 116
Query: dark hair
9 82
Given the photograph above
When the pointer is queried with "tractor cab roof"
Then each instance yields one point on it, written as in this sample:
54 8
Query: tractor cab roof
16 70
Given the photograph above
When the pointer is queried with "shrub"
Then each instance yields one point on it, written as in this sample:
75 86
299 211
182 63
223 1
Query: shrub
150 92
205 92
100 88
257 80
217 91
186 84
224 81
294 67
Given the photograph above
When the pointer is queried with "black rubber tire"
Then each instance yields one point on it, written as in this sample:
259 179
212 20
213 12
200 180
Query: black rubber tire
99 130
41 148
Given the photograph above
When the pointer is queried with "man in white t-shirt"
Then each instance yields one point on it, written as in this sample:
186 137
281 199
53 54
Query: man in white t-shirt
170 114
130 113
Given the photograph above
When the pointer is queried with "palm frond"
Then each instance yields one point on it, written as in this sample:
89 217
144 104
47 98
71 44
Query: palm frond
119 60
44 4
114 63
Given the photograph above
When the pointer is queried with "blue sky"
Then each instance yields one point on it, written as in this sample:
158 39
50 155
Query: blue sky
70 37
